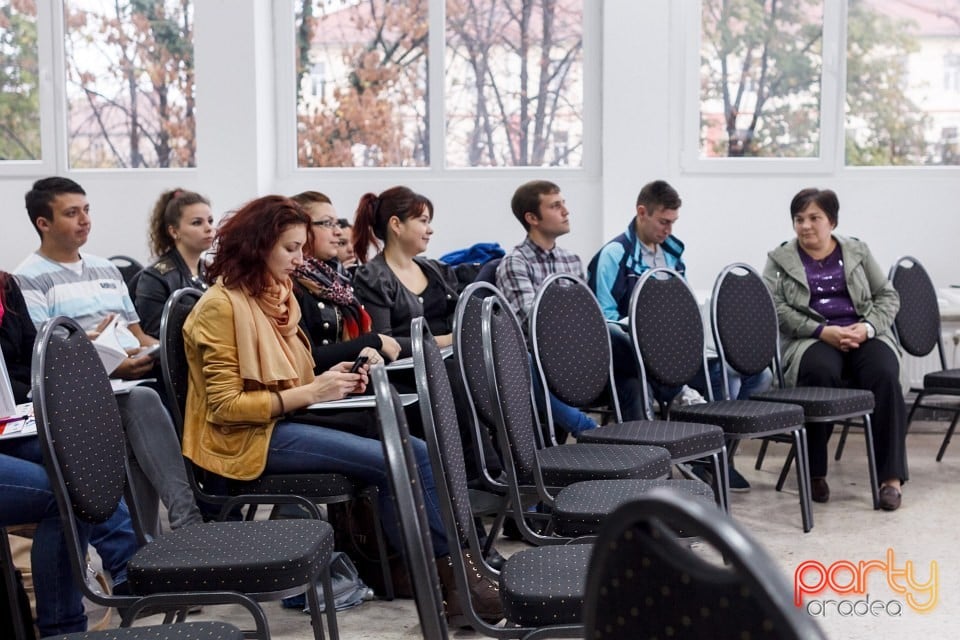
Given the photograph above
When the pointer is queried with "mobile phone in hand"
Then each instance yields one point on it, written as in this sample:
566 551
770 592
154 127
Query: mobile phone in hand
359 362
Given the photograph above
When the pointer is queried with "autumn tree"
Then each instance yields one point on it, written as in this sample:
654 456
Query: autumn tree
19 82
376 114
519 97
131 66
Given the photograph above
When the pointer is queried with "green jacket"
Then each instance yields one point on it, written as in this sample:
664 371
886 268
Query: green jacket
873 296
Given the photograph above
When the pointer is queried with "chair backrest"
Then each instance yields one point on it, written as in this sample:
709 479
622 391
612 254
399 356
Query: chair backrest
918 322
128 267
173 357
744 321
81 434
508 377
640 561
666 329
410 507
571 342
468 356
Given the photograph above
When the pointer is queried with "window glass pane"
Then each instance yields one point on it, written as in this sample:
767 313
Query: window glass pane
514 83
362 83
903 82
19 85
760 78
130 83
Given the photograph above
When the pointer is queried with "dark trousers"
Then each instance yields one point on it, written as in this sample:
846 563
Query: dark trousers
873 366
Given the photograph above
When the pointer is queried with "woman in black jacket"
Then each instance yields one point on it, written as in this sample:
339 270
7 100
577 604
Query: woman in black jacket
181 229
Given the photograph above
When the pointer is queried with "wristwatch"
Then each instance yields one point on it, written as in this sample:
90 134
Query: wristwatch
871 332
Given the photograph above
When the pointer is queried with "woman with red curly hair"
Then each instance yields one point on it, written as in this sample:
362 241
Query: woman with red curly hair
251 372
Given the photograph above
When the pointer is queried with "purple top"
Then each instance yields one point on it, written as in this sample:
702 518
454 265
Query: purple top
828 289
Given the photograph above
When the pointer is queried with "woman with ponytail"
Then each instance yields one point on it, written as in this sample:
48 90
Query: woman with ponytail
398 284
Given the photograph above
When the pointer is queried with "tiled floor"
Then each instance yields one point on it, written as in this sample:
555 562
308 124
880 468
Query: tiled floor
923 531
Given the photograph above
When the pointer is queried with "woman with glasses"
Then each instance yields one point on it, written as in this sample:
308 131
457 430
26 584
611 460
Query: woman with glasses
338 326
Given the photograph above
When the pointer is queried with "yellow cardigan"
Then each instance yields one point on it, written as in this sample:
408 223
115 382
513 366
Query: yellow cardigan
227 423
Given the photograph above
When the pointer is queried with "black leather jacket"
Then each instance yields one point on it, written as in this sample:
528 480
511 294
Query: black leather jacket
155 284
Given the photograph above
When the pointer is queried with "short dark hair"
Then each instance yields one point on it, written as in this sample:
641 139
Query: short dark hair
658 195
45 191
343 223
826 199
527 198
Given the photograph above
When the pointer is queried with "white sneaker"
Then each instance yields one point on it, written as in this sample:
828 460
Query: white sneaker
687 397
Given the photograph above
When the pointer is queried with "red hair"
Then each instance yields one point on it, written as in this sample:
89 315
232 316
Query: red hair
247 237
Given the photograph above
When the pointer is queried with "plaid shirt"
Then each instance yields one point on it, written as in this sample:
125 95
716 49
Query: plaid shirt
521 272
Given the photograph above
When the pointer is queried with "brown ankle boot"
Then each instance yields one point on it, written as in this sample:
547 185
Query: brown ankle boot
484 594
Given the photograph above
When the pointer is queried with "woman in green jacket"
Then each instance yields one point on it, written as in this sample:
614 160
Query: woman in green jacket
836 308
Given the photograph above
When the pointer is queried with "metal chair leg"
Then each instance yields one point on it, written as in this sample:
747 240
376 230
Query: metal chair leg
871 461
946 438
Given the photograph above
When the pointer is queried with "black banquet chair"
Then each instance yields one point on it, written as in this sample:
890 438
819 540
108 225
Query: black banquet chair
746 332
207 630
644 583
917 327
410 507
667 333
83 445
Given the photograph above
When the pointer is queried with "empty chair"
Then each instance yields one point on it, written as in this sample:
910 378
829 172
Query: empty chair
571 346
209 563
644 583
410 507
207 630
917 328
746 333
541 589
667 333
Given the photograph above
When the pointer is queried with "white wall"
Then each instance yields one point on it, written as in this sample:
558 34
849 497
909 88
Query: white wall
725 217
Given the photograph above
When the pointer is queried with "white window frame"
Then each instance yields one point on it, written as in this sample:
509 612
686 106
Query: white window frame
686 34
285 92
54 138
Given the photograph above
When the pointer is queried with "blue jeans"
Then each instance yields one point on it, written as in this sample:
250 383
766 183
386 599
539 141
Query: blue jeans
568 418
305 448
26 497
740 388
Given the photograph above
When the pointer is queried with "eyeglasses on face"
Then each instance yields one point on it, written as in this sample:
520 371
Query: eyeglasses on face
326 224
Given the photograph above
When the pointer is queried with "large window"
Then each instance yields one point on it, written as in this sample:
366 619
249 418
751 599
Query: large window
514 83
19 82
511 93
362 83
903 82
129 83
760 78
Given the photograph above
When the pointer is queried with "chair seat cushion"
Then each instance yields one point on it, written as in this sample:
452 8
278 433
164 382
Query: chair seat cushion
684 440
581 508
565 464
946 379
743 417
250 557
545 585
310 485
822 402
206 630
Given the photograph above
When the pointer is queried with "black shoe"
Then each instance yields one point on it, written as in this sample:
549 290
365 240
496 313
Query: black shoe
738 484
819 490
890 498
495 560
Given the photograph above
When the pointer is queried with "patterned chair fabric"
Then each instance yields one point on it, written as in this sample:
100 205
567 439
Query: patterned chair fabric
207 630
571 345
667 333
84 447
508 374
644 583
917 327
536 599
411 510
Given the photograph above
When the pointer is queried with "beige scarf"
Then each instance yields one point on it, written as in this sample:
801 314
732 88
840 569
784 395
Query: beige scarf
270 349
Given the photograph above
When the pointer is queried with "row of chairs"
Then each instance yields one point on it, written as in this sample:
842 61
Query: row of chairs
579 590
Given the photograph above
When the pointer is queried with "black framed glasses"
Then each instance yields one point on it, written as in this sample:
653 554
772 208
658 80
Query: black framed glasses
326 224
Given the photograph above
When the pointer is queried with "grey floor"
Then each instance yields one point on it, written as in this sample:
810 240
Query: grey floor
924 530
